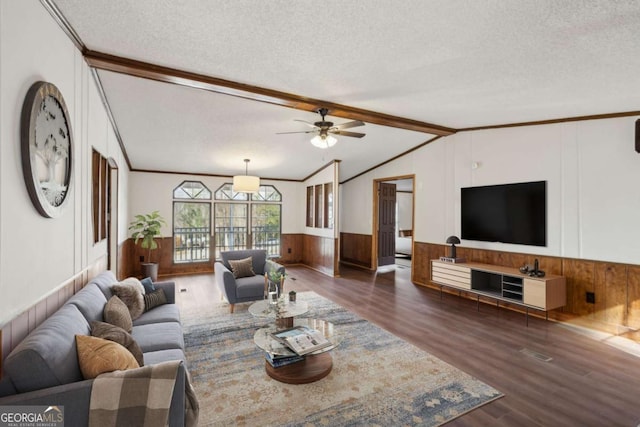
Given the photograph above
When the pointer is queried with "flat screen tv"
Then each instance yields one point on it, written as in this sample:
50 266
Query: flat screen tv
508 213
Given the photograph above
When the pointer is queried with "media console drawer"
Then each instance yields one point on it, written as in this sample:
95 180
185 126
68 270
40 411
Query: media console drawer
451 274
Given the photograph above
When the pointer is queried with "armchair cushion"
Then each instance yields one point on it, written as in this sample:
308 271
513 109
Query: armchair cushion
242 268
258 258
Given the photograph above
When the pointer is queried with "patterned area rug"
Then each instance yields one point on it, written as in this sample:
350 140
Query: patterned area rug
377 378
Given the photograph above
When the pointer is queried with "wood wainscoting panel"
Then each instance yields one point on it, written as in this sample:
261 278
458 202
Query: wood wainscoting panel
356 249
611 293
130 254
294 243
633 296
125 259
15 330
319 253
616 286
580 277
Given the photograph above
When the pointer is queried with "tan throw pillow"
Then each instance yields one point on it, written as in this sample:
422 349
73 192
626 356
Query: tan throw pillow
97 356
242 267
117 334
117 313
131 297
154 299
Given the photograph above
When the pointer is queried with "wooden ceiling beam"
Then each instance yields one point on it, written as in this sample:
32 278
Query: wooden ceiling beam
199 81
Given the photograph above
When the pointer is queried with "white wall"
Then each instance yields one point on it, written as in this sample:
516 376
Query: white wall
154 191
592 174
38 254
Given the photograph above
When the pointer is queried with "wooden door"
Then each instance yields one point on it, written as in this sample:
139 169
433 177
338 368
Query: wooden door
386 224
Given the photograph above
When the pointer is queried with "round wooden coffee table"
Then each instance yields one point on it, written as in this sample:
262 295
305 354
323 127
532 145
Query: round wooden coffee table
314 367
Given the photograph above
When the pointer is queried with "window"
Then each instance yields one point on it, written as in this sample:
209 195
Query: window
320 206
191 222
99 195
243 221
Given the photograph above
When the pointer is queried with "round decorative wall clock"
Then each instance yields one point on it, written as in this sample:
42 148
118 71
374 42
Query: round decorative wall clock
47 147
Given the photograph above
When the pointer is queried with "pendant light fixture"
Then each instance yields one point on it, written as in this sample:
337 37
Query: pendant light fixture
246 183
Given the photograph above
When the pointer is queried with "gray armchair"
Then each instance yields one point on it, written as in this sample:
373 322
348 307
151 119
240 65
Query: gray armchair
245 289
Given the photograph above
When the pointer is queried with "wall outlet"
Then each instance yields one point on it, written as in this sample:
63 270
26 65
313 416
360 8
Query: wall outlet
591 297
141 258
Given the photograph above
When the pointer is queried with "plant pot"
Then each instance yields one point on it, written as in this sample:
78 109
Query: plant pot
150 269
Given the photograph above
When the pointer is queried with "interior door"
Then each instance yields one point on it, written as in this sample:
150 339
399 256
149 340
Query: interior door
386 224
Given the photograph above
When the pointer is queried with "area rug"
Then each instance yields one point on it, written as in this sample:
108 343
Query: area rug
377 378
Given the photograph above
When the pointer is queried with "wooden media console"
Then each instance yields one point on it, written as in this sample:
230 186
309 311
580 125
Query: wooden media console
502 284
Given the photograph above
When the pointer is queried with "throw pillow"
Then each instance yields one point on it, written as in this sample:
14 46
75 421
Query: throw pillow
97 356
117 313
154 299
117 334
131 296
148 285
242 267
133 281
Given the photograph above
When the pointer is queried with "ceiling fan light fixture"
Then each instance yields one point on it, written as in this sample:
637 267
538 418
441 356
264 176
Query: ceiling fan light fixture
323 141
246 183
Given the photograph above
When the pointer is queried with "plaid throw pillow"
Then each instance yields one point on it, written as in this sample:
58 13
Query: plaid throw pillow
242 267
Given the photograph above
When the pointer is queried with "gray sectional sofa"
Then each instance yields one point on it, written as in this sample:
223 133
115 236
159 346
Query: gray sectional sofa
43 369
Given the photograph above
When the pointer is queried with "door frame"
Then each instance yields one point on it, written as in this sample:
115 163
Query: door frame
375 222
112 215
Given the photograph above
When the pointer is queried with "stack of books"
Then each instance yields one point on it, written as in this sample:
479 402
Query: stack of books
277 360
298 342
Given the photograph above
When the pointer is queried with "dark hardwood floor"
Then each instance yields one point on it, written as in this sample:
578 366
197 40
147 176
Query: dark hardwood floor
586 382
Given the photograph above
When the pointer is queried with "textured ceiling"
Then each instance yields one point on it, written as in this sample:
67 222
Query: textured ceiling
453 63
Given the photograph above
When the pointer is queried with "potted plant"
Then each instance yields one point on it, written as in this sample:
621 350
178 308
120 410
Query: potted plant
145 229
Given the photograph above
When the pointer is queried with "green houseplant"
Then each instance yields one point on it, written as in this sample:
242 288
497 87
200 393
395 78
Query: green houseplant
145 229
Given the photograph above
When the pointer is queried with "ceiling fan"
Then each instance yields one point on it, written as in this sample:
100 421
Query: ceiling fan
323 129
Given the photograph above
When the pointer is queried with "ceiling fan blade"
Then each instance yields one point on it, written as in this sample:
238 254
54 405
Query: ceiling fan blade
306 123
303 131
349 125
346 133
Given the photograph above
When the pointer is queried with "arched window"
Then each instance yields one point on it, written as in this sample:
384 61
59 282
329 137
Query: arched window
243 221
191 222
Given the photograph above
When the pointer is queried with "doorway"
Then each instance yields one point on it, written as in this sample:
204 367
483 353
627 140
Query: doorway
393 221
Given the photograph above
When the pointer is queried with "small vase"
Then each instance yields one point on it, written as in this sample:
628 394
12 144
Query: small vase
272 292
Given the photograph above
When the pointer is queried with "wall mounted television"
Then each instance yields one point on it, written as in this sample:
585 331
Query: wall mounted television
507 213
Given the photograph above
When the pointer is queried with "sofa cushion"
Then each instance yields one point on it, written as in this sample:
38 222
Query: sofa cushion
163 313
131 296
159 356
97 356
47 357
90 301
258 258
242 267
104 281
114 333
117 313
154 299
159 336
